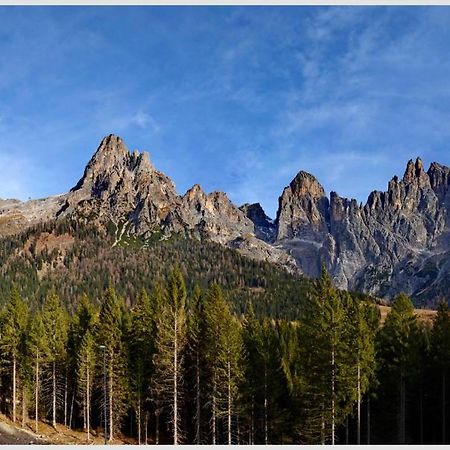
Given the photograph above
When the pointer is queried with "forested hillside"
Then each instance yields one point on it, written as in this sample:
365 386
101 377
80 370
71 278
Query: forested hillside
183 366
76 258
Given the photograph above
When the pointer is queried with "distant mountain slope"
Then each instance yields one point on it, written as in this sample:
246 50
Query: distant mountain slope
398 241
75 258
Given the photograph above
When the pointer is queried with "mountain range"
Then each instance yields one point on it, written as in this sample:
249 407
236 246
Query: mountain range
398 241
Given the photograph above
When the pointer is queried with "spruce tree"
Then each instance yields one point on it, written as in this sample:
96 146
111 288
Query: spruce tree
141 353
39 348
13 330
325 362
440 352
224 352
109 338
397 352
167 382
85 352
362 323
195 359
55 323
263 376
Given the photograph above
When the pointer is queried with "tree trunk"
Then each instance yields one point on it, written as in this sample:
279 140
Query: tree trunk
358 423
138 417
402 433
252 422
213 424
368 420
157 428
71 409
443 409
65 399
332 396
24 406
88 403
175 383
84 412
229 401
146 427
36 393
266 432
421 412
54 395
14 389
197 398
322 431
346 430
111 424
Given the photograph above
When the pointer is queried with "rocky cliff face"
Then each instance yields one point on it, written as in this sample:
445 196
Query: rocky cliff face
398 241
264 226
126 189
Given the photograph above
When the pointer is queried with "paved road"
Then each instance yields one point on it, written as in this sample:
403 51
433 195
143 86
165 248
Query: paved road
11 435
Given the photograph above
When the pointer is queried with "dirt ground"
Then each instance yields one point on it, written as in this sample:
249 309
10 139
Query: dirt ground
15 434
424 315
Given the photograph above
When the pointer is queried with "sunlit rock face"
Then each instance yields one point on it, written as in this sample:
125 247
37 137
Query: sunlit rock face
398 241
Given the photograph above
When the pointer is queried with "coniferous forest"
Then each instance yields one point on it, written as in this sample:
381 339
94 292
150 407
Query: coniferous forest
186 342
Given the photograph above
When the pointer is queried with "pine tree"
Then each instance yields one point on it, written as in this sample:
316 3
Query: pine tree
224 351
252 371
325 362
195 362
55 323
141 353
85 352
362 324
397 352
440 352
39 347
264 355
14 324
167 382
109 335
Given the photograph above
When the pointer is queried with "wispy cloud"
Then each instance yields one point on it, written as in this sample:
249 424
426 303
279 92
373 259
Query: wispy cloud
238 99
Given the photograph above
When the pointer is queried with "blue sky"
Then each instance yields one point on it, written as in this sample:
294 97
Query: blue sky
237 99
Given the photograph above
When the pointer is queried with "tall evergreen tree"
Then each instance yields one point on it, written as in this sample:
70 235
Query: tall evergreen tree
55 323
141 353
85 349
264 355
325 362
195 359
397 352
224 351
13 330
440 352
39 348
362 324
109 335
167 382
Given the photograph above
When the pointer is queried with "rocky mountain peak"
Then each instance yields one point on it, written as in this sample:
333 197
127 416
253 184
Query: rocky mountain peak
305 184
303 205
264 226
415 173
111 150
439 176
195 198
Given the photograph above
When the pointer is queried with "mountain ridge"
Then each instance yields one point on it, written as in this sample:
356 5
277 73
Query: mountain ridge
399 240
